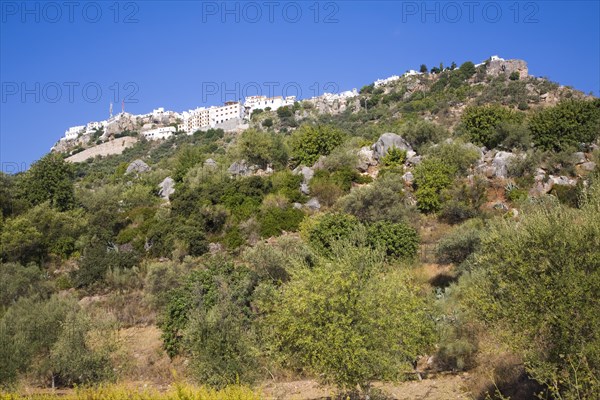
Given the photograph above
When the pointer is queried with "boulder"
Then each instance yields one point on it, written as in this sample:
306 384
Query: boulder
297 206
319 164
210 163
588 166
313 204
415 160
366 159
408 178
306 172
389 140
500 163
239 168
137 166
579 157
562 180
304 188
166 188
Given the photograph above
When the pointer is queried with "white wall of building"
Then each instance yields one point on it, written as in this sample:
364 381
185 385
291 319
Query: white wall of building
160 133
203 117
261 102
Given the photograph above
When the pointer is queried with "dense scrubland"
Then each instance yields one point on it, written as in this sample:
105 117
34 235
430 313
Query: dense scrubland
314 262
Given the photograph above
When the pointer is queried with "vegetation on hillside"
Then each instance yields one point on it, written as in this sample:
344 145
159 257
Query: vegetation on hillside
308 260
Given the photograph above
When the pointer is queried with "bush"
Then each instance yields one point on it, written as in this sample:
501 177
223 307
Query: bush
534 282
330 228
17 281
421 132
384 199
457 155
309 142
480 123
275 220
260 148
569 123
460 243
464 200
394 157
398 240
348 322
52 340
431 177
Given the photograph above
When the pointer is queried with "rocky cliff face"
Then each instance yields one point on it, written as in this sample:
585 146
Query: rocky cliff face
499 67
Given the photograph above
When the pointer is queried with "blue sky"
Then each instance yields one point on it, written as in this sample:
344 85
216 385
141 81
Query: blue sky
62 63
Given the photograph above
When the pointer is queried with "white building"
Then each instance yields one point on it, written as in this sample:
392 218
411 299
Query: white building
492 58
261 102
158 113
411 72
73 132
385 81
160 133
203 117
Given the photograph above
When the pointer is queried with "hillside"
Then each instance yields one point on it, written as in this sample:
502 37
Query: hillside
434 235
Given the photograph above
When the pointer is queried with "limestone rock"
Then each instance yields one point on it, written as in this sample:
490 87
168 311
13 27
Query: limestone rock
389 140
313 204
579 157
137 166
166 188
500 163
239 168
304 188
408 178
210 163
366 159
588 166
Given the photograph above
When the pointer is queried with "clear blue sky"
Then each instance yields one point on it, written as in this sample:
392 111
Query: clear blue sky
180 55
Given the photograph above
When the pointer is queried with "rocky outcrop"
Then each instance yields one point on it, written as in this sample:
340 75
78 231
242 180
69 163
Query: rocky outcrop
500 66
166 188
137 166
389 140
240 168
366 159
313 204
500 163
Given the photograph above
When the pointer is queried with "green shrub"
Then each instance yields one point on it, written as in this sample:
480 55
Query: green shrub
394 157
457 155
534 282
431 177
274 220
396 239
460 243
480 123
330 228
350 323
384 199
51 340
309 142
567 124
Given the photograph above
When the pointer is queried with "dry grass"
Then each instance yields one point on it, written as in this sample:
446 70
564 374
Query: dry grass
121 392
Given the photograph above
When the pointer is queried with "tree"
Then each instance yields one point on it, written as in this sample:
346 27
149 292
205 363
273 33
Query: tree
535 282
467 69
309 142
431 177
50 179
348 321
569 123
260 148
423 69
481 123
